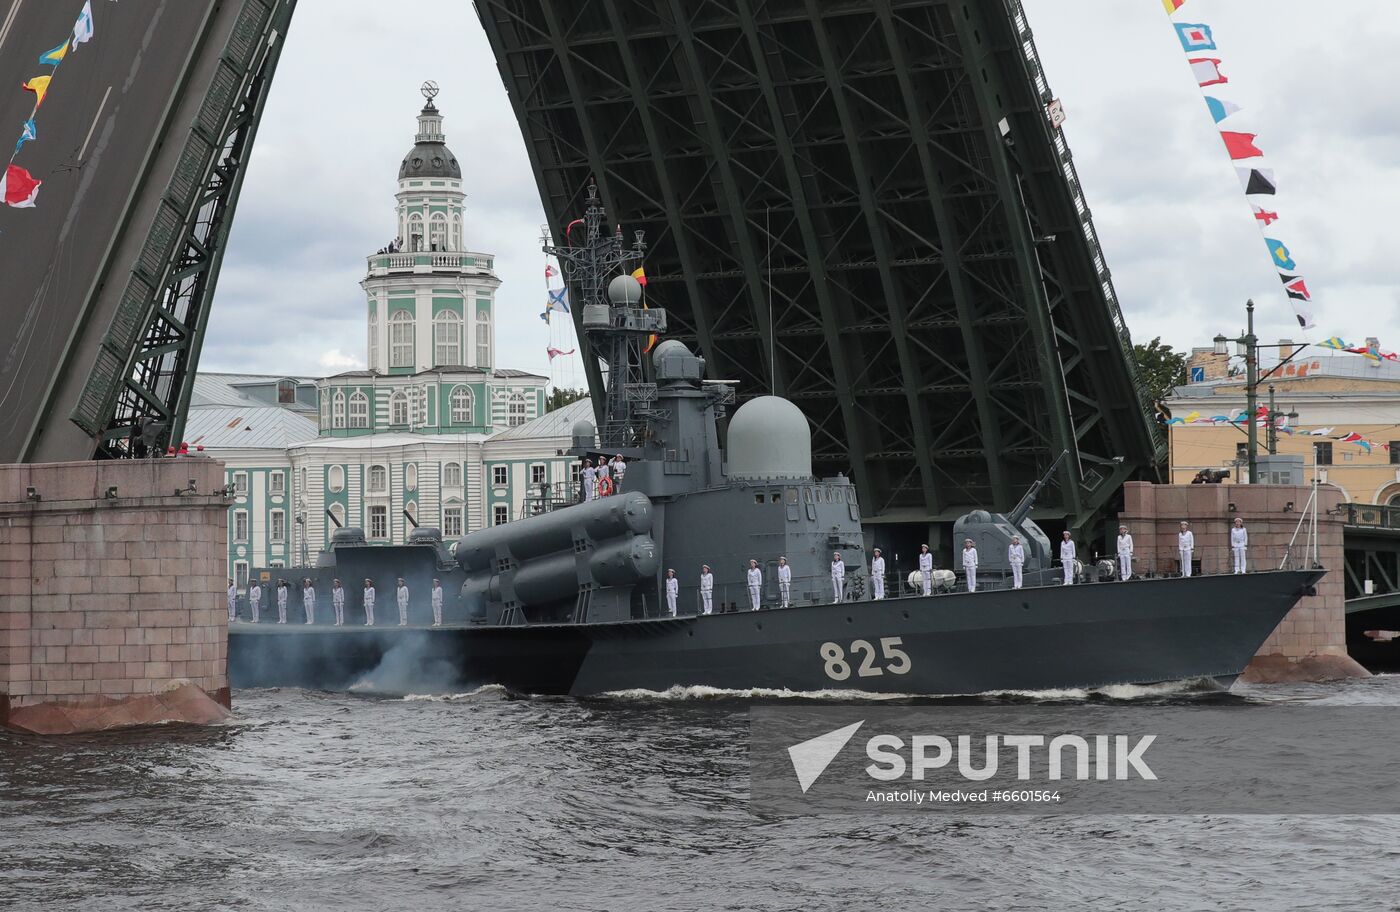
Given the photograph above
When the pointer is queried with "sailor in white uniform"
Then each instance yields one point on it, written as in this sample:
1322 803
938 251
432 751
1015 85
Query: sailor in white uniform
604 474
877 575
308 600
755 583
590 480
1185 544
1239 543
838 577
232 602
255 600
673 591
282 591
1125 553
619 469
369 603
437 602
1016 557
338 602
1067 555
784 581
402 595
707 590
969 562
926 569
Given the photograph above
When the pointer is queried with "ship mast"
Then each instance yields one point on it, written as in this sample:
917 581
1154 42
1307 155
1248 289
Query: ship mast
614 322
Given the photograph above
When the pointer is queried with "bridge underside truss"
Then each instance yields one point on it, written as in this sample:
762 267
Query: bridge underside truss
833 213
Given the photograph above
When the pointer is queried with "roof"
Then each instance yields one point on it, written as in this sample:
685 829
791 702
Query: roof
222 389
247 427
510 372
1299 371
558 423
385 441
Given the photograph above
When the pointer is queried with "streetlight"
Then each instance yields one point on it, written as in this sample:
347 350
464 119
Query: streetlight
1248 347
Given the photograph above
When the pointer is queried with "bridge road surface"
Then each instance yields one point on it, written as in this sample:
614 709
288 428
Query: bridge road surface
102 130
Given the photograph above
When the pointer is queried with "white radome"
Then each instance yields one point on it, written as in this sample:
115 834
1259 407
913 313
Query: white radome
769 438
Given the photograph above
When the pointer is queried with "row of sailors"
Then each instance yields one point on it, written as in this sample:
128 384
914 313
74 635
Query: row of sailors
1015 556
603 479
308 602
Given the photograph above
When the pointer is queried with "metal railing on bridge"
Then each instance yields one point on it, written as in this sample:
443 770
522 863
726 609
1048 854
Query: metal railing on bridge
1372 516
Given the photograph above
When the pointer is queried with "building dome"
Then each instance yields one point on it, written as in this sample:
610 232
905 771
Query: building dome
430 156
769 438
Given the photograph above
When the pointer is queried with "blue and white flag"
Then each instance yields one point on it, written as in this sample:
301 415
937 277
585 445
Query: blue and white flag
1195 36
82 29
1219 109
29 132
558 300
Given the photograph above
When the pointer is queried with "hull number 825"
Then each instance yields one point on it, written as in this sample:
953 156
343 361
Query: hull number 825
863 657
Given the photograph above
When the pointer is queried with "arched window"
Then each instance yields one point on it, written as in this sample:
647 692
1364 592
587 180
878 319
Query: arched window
338 511
447 338
452 475
437 232
462 405
325 409
398 408
378 480
483 338
415 232
516 412
456 232
373 340
338 410
410 477
401 339
335 479
359 410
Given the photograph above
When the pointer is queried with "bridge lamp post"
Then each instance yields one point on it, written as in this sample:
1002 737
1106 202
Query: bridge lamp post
1248 348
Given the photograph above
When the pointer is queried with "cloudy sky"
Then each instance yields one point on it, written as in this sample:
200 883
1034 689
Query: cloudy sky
1314 82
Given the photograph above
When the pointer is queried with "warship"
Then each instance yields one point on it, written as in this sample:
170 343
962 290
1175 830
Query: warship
571 599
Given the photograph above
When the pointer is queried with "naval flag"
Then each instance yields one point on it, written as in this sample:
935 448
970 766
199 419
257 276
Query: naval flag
1282 258
1207 71
1220 109
1195 36
82 29
1241 145
1258 180
18 187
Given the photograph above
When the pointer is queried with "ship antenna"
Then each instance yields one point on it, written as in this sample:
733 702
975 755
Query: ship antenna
772 329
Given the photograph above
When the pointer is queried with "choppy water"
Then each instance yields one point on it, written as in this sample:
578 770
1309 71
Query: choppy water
638 801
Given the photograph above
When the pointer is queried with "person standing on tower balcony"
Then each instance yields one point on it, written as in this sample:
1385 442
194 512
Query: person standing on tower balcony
1016 557
1239 543
1125 554
369 603
282 592
784 582
707 589
437 603
838 577
1067 556
673 591
969 562
232 602
877 575
590 480
926 569
338 602
402 596
1185 544
255 599
755 583
308 600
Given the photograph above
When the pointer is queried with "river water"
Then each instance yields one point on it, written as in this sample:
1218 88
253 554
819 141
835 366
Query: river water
310 801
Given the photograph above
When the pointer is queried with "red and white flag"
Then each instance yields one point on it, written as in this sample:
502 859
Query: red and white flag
549 271
1207 71
554 352
18 187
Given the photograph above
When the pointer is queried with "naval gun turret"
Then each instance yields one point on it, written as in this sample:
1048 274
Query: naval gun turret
991 533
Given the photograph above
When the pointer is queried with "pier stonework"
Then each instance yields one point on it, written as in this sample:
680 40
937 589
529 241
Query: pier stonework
1310 643
112 594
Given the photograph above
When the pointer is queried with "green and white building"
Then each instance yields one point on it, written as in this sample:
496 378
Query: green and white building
432 434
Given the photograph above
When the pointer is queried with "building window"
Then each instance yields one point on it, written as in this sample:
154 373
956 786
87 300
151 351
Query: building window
410 510
325 409
335 478
437 236
498 475
452 521
452 475
359 410
461 405
1395 452
303 481
338 410
240 525
410 477
277 483
483 338
422 406
277 526
456 232
398 408
240 483
500 515
516 413
274 565
378 479
240 574
373 341
337 512
401 339
379 522
536 474
287 392
415 232
575 473
1322 453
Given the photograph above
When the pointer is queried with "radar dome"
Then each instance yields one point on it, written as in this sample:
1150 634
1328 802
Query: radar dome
769 438
625 289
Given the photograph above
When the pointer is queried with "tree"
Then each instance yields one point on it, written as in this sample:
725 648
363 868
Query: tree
562 396
1161 368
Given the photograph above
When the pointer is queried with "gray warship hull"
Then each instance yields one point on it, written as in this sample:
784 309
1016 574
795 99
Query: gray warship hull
1135 632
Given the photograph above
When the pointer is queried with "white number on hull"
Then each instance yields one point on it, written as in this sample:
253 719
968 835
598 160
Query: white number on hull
838 669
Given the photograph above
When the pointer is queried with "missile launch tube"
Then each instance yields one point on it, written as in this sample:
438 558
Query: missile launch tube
536 536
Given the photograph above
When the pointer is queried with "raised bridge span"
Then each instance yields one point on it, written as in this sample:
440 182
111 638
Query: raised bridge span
859 204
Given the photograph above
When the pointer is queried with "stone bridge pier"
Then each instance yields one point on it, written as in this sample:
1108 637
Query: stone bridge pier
112 594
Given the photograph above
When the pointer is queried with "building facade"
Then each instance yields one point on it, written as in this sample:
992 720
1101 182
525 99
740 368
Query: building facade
432 434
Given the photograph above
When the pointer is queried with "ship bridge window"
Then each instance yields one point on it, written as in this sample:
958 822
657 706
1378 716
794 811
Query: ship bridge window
807 494
773 497
758 498
791 496
850 495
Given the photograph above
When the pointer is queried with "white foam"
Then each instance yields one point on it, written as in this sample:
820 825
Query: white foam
483 690
705 692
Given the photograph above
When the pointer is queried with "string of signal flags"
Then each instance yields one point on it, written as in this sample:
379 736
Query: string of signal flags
19 188
1263 418
558 300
